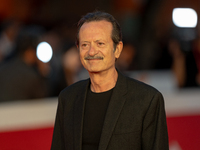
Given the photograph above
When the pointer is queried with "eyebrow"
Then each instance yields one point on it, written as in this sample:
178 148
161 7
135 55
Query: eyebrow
89 42
99 40
94 41
84 41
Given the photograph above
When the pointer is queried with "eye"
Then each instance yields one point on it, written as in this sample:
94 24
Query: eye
100 44
84 45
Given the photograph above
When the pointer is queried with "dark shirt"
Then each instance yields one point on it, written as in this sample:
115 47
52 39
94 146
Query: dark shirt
95 111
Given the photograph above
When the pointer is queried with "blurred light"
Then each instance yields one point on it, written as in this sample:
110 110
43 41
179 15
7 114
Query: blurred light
184 17
44 52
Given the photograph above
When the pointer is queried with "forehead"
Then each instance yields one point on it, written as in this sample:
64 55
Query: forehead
96 28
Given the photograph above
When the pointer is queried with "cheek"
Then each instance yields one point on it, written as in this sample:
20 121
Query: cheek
82 59
81 56
113 56
109 59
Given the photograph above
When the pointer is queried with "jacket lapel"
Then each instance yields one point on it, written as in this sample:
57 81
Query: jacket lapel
78 115
115 106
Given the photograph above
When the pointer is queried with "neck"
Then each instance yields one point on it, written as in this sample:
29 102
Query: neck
103 81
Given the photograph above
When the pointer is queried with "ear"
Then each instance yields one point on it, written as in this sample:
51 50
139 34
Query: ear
118 49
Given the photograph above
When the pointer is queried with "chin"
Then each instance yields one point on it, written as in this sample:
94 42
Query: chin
94 70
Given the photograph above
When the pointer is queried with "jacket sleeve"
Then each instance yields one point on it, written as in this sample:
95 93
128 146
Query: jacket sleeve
154 134
58 137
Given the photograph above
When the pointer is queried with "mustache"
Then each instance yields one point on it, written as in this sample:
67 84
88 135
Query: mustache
92 57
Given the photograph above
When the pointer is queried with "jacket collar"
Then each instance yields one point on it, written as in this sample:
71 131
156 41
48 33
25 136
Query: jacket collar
79 115
114 109
115 106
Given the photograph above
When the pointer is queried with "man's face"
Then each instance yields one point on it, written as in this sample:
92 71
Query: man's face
96 46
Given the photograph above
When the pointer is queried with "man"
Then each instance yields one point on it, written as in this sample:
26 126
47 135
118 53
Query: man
108 111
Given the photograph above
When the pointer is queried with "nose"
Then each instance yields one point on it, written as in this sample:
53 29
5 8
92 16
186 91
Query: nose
92 50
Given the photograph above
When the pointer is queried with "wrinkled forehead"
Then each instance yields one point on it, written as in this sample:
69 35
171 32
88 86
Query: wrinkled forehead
98 28
97 24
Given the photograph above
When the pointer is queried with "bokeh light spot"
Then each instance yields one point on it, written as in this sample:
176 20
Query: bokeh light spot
184 17
44 52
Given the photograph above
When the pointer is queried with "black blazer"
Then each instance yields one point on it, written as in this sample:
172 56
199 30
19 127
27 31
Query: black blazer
135 119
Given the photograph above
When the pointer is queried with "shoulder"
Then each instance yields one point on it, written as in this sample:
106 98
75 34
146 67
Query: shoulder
143 95
74 89
141 91
134 85
140 86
